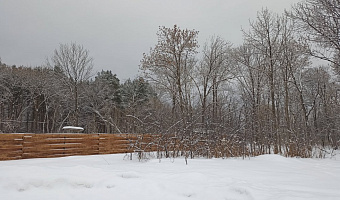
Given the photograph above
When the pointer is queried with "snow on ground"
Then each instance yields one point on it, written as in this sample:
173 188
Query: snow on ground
115 177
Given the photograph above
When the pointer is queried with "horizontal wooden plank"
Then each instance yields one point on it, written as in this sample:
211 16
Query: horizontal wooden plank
120 146
34 139
30 156
62 151
46 147
11 146
10 154
11 149
11 142
44 143
45 136
112 150
81 152
6 137
113 138
116 151
58 154
114 143
10 158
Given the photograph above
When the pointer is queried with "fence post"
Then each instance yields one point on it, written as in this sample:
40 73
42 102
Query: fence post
22 146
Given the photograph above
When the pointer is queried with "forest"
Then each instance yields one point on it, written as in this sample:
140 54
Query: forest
278 92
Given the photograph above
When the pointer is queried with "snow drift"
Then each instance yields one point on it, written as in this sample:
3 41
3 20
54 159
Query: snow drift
116 177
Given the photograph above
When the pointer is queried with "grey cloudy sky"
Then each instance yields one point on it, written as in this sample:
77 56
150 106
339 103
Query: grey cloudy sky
116 32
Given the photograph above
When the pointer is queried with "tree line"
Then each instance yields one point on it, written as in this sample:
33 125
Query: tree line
267 95
44 99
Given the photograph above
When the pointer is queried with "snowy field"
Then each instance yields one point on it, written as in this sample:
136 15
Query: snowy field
112 177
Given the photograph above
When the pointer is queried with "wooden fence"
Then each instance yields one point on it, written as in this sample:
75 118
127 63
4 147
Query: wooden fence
21 146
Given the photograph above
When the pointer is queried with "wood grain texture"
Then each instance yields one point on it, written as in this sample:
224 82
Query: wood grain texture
23 146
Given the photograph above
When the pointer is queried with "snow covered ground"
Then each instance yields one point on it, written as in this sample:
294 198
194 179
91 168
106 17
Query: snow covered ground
113 177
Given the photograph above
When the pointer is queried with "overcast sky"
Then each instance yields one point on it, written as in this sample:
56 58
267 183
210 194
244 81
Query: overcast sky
116 32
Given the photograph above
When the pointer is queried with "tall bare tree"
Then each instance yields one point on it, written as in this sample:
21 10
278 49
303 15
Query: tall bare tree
170 63
264 36
75 65
213 70
319 24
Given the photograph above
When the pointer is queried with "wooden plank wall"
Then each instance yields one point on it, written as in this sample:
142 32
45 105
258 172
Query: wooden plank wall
21 146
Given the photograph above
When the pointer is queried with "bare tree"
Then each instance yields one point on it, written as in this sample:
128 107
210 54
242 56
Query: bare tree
213 70
319 24
74 64
170 63
264 36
